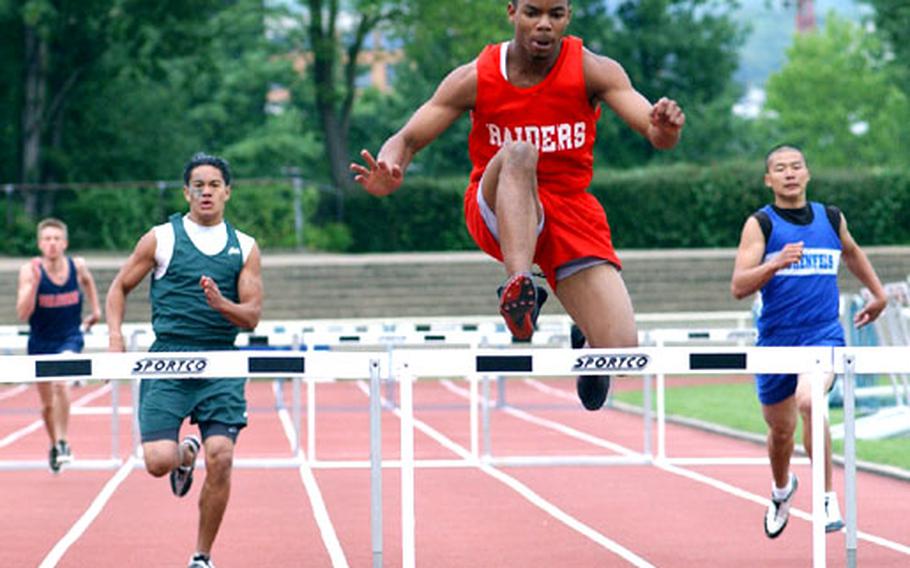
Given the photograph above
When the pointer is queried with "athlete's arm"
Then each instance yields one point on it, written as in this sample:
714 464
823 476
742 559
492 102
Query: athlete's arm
661 123
90 290
245 313
455 95
750 274
858 263
29 278
140 263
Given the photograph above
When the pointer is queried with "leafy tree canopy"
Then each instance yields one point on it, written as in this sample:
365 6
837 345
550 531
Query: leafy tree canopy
838 99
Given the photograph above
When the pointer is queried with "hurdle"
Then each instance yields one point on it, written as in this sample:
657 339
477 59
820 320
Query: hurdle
639 361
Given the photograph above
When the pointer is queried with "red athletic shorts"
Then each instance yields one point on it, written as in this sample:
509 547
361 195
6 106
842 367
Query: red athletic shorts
575 227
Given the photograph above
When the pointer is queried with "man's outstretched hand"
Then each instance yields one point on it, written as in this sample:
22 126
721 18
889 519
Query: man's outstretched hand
377 177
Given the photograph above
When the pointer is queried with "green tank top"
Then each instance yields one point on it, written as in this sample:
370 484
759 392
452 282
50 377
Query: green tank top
180 313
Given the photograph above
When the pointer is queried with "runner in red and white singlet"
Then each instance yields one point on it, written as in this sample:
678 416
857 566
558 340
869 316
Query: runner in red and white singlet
535 101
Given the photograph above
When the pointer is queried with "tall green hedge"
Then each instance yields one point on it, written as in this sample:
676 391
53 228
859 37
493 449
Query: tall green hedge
679 206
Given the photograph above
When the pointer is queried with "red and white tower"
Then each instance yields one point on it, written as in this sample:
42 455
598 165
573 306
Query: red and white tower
805 16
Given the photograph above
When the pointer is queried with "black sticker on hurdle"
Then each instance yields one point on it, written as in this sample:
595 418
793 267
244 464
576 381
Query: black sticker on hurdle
258 340
699 335
430 337
504 363
68 368
709 361
276 365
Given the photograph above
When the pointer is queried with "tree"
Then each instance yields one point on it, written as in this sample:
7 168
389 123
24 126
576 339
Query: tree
892 22
837 99
60 44
433 38
335 35
683 49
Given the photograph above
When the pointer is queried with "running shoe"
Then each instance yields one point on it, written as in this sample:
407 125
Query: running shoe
182 476
519 303
52 459
64 453
779 511
200 561
833 520
592 389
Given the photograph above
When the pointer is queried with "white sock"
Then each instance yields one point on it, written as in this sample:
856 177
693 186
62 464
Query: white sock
780 493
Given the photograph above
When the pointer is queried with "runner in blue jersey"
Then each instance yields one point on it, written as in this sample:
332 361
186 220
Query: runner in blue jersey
790 251
206 285
49 298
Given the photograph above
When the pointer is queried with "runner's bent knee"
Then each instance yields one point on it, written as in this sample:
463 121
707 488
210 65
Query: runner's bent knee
160 459
521 156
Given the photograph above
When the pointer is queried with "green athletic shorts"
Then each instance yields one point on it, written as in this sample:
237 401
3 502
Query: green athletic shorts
165 403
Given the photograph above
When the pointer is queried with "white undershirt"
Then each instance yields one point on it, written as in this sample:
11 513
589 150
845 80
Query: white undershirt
209 240
503 63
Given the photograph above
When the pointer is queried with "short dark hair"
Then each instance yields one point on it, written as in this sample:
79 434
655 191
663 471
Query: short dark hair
203 159
784 146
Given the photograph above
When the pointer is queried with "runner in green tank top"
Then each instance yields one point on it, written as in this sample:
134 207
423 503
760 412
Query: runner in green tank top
206 286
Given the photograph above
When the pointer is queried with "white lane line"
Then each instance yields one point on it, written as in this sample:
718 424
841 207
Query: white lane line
546 423
320 511
37 424
79 528
794 512
713 482
10 393
553 391
526 492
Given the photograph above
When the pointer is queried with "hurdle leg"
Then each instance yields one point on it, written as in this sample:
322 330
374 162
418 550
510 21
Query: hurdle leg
408 524
485 417
648 413
473 416
661 416
818 471
311 419
296 413
375 464
850 457
115 420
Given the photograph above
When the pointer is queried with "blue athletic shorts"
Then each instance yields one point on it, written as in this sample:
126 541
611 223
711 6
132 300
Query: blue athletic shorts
775 388
71 344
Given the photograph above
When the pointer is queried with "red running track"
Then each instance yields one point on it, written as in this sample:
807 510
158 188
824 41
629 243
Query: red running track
519 516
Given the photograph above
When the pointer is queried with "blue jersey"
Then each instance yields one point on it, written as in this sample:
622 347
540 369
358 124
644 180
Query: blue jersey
54 325
804 296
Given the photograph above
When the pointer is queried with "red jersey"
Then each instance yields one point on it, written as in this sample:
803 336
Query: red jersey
556 116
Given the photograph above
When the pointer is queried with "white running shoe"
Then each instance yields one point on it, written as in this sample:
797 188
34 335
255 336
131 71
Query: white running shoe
200 561
64 453
779 511
833 520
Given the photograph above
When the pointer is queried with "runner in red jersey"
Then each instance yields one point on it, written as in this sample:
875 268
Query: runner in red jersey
534 102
